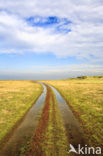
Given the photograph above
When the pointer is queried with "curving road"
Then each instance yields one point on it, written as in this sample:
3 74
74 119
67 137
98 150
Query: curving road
26 128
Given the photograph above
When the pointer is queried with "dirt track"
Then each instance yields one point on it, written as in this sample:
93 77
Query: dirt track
36 122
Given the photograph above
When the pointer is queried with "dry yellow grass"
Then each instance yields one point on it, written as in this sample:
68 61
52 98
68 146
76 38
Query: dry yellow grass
85 96
16 97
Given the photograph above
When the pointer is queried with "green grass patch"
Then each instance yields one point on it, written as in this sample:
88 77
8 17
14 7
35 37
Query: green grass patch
54 139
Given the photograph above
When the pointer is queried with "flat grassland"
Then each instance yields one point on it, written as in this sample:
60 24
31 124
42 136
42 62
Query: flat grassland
16 97
85 97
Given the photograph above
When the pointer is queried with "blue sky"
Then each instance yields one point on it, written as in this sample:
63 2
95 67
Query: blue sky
50 39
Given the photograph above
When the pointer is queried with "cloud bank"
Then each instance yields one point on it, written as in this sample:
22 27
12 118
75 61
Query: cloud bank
65 27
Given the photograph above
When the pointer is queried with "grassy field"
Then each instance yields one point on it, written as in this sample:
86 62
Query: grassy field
85 97
16 97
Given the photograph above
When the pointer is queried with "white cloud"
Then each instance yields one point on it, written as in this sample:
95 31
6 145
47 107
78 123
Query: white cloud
84 40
